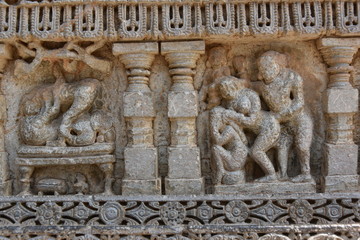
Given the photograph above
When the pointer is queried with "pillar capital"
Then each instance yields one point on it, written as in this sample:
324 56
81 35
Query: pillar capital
182 58
137 58
338 53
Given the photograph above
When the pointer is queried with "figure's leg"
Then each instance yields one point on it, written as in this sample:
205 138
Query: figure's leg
219 154
264 141
284 145
303 138
26 172
84 97
107 169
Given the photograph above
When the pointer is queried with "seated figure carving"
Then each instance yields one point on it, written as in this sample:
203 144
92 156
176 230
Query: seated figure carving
230 148
244 110
59 114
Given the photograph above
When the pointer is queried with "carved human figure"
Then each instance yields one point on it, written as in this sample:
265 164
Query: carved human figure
282 91
244 108
229 149
44 124
217 67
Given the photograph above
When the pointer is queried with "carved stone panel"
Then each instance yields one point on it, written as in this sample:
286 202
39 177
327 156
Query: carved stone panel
179 119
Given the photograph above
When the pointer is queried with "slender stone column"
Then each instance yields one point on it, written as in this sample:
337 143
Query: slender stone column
340 105
5 182
141 158
184 175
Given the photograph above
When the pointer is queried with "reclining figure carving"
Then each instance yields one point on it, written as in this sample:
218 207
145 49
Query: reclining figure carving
59 114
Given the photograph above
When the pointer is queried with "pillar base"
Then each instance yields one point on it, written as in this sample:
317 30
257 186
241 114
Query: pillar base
141 187
266 188
341 183
141 163
184 186
6 188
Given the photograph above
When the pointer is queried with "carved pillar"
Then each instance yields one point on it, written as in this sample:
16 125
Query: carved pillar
141 158
5 182
340 105
184 175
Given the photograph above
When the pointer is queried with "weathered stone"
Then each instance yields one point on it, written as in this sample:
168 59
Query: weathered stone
182 104
95 149
184 186
186 159
144 47
201 94
146 167
333 42
266 188
340 159
340 183
341 100
185 46
141 187
138 104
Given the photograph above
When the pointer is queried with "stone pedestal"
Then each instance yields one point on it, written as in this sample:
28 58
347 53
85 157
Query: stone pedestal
31 157
184 169
266 188
340 105
5 183
141 158
142 177
184 161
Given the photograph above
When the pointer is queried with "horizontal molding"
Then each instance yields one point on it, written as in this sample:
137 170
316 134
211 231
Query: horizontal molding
99 217
148 20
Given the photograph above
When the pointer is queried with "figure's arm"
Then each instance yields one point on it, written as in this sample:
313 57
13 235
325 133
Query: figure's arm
240 132
240 118
255 102
51 110
215 122
298 102
255 109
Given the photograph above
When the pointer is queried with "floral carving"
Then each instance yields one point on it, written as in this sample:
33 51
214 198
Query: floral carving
301 211
173 213
236 211
112 213
334 211
49 213
205 212
356 210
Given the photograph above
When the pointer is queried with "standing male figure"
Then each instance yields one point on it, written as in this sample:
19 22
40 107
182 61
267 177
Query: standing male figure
282 91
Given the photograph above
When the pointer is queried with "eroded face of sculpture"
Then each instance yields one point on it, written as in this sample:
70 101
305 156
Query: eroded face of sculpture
270 64
229 87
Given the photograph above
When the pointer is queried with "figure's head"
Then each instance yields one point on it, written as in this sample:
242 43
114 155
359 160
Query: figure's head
243 105
239 64
270 65
230 86
30 104
217 57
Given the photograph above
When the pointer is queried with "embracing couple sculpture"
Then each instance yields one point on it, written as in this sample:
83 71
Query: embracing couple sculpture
286 124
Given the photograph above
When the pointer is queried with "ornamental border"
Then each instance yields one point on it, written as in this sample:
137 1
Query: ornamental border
139 20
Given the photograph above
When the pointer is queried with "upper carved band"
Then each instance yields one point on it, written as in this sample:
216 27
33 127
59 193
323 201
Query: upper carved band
137 20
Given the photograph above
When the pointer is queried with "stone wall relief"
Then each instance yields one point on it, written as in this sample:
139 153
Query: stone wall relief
242 132
60 124
250 124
